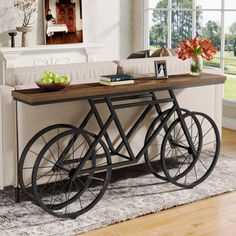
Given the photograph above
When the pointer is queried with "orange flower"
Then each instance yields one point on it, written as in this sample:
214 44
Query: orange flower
208 50
196 48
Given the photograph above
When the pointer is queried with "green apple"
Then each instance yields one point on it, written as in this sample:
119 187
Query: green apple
58 80
66 79
46 81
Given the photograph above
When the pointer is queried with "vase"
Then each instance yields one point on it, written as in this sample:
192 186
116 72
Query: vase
196 66
25 36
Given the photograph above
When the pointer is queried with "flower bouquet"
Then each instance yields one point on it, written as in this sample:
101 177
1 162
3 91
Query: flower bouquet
196 49
25 9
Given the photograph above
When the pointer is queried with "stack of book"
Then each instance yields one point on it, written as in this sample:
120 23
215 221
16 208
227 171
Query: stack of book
113 80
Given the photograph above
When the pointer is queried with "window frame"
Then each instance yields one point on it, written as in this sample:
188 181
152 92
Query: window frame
194 10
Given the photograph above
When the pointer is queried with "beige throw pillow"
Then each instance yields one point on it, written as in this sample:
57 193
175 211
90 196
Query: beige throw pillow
163 52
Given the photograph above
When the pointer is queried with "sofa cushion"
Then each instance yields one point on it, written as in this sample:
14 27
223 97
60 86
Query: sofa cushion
79 73
146 65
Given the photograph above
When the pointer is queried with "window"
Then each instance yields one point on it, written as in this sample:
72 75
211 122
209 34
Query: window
158 28
170 21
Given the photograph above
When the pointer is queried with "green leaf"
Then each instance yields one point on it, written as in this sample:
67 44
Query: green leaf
199 51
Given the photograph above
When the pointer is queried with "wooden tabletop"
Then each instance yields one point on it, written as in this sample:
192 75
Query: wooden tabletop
141 84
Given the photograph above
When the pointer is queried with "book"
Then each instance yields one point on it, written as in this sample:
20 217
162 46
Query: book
115 78
115 83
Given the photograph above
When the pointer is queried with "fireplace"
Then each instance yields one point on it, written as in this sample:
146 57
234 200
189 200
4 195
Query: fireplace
46 55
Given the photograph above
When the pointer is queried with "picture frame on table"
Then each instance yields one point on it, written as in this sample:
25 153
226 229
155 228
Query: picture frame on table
161 69
62 21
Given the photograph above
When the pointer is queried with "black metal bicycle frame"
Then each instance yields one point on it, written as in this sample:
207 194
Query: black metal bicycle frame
108 100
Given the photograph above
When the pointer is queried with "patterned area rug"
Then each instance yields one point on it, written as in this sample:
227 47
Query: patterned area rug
133 192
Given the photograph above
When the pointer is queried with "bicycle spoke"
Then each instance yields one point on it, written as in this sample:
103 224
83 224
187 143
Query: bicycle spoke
54 185
41 167
95 178
168 153
207 132
195 172
203 164
159 154
205 153
180 128
185 179
188 129
49 148
68 196
88 189
181 166
209 143
75 150
46 183
39 177
55 164
35 153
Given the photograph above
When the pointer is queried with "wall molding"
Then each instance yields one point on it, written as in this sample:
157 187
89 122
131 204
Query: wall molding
229 123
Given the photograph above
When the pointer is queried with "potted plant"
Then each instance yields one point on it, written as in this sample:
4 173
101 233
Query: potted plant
196 49
25 9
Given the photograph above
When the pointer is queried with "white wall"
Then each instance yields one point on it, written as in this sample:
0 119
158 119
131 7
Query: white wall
107 22
138 25
110 23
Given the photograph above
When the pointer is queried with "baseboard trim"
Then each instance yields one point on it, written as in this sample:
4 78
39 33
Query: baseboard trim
229 123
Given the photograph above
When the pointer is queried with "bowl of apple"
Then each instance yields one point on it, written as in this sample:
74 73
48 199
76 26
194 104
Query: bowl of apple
51 81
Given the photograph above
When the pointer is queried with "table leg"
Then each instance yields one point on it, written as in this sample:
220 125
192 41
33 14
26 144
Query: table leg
17 188
17 194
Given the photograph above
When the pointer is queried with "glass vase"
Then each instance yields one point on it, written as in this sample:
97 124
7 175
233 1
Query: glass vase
196 66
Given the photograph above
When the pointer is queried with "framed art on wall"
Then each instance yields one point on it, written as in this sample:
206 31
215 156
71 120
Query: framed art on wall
63 21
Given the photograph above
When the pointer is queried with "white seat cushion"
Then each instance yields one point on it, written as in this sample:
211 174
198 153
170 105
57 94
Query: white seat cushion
79 73
146 65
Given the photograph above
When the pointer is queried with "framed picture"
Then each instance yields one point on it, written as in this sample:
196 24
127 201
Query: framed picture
63 21
160 69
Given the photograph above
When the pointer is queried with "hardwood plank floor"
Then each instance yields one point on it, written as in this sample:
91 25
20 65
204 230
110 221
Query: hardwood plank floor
215 216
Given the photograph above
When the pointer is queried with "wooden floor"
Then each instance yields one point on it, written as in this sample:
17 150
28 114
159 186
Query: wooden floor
59 38
215 216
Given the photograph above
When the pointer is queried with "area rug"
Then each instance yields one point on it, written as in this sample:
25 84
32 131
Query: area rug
133 192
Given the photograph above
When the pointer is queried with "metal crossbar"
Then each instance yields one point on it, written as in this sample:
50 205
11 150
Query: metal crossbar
153 102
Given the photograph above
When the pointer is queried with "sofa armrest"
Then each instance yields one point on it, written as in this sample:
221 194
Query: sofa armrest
7 131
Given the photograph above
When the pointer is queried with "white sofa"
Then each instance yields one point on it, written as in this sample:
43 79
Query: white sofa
32 119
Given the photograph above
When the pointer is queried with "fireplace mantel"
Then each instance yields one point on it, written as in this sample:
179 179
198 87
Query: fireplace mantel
46 55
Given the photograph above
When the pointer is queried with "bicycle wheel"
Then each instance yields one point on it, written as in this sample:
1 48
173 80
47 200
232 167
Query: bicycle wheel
30 153
183 168
57 192
153 152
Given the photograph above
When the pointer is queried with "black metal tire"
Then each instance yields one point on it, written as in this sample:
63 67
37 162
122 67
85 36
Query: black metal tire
200 167
73 206
154 168
28 149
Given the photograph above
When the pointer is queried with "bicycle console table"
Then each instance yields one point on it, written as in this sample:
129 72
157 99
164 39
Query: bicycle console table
70 167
